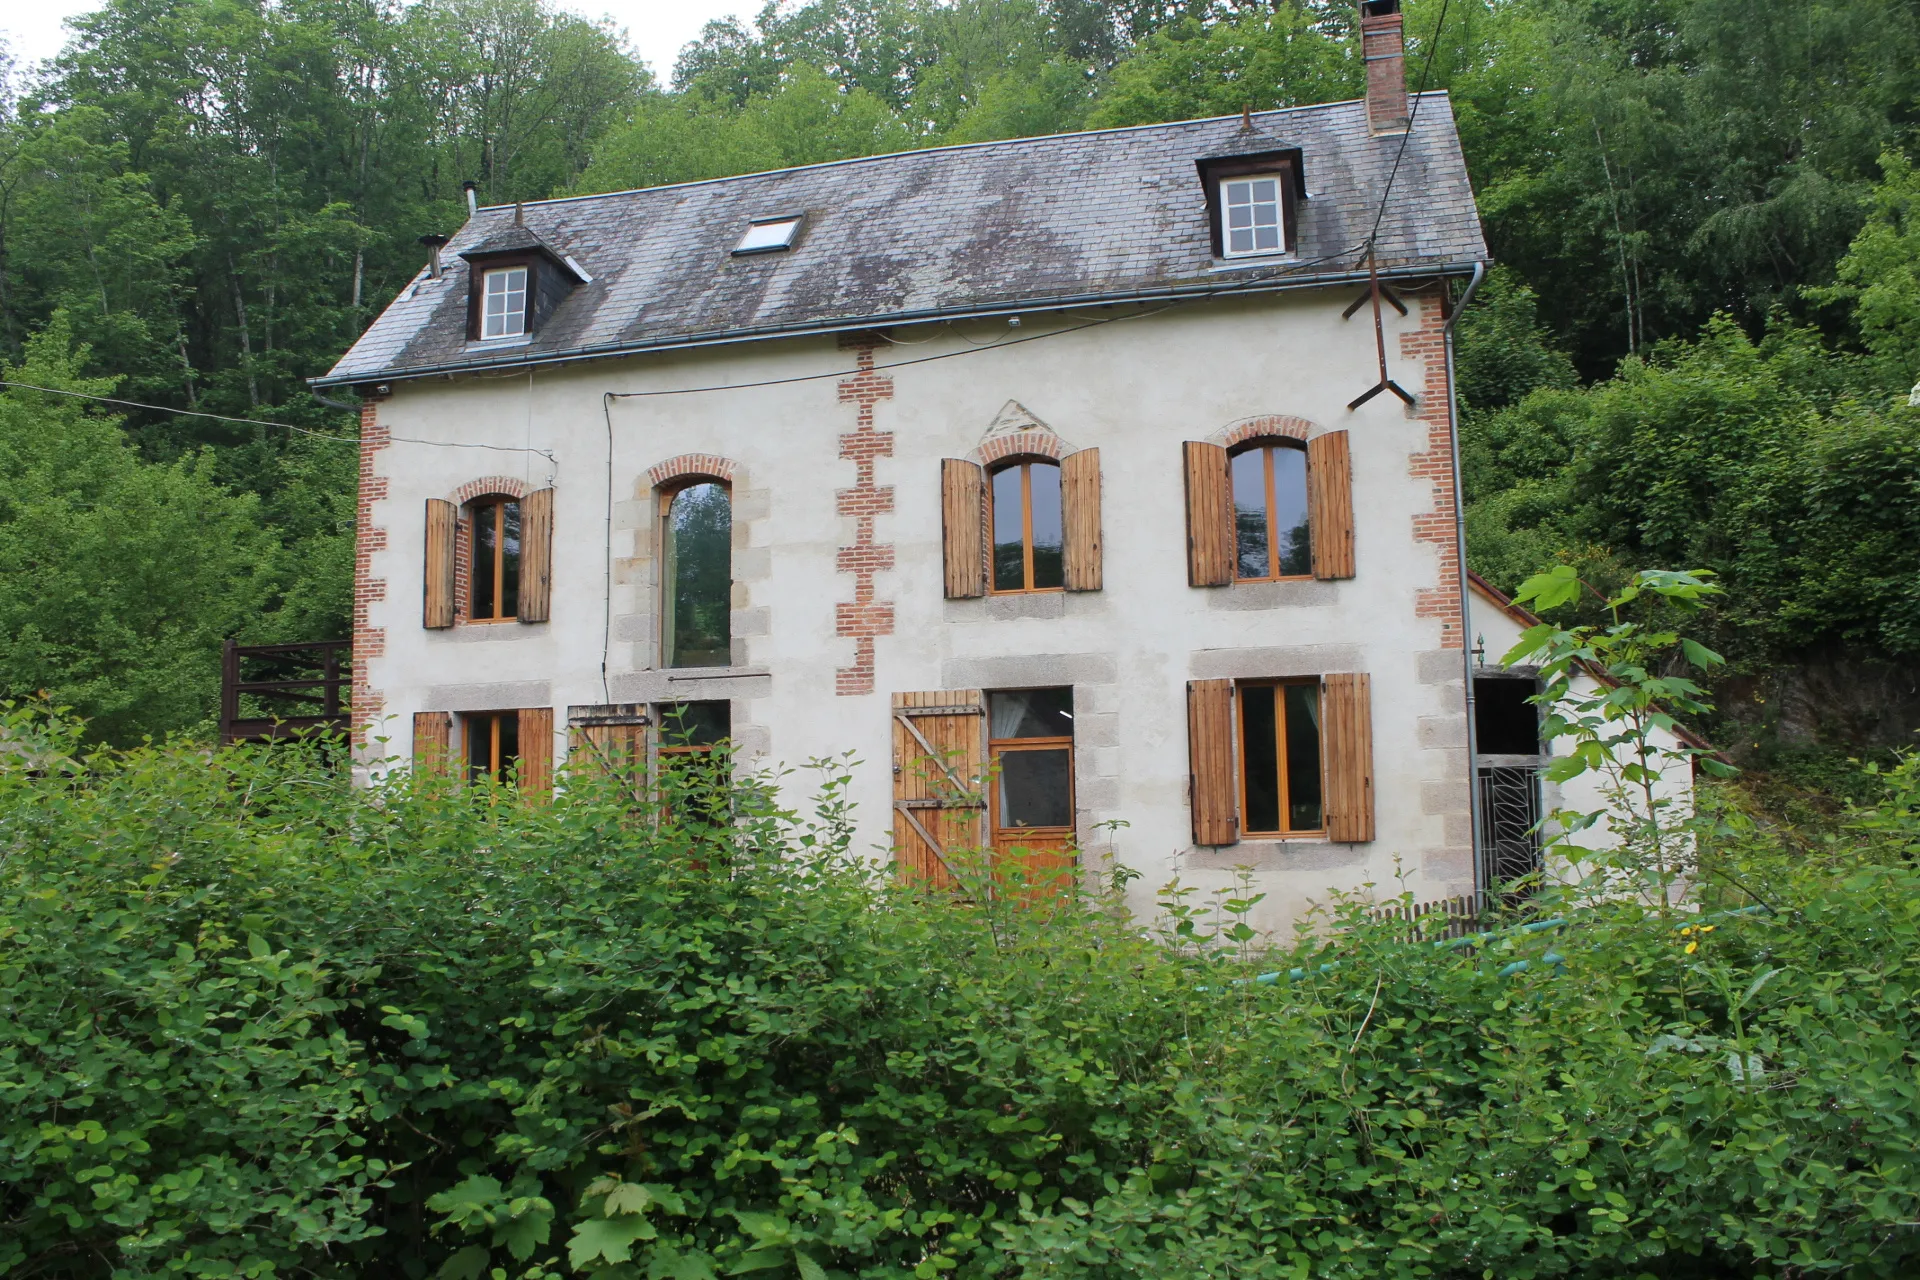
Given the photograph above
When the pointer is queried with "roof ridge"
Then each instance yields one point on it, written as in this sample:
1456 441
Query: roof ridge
949 147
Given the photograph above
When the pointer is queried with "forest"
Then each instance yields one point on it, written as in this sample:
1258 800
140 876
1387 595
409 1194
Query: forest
1695 349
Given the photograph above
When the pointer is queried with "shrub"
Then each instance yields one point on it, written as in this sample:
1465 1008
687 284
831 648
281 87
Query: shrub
255 1022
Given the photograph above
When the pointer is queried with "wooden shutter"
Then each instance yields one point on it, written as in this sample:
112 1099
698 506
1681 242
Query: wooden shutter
536 751
443 521
1330 504
610 740
1210 540
1213 787
536 556
939 781
1080 502
1346 718
963 519
432 742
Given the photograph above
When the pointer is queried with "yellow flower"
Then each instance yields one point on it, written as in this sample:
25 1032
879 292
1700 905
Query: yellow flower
1692 947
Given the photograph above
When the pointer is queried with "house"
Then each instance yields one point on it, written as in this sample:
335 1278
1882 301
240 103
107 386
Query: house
1067 482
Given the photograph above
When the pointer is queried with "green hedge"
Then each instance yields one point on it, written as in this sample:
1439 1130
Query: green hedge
254 1022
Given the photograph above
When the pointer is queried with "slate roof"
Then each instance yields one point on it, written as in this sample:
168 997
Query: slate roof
982 229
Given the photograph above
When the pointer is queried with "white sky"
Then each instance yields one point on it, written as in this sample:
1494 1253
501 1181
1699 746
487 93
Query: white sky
657 29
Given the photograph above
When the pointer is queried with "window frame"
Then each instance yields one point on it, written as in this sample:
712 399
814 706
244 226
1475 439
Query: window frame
671 760
998 747
495 503
487 277
1266 445
1026 463
795 222
1225 204
1278 685
668 492
501 769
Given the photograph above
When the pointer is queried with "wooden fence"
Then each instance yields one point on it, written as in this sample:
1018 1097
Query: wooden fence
274 691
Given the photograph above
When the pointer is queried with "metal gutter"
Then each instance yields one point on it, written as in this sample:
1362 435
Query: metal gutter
1481 871
723 337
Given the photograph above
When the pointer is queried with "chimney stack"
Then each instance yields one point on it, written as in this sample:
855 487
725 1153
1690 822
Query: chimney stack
1383 45
472 189
519 213
433 244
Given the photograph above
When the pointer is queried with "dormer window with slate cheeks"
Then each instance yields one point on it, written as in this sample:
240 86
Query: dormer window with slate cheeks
1251 201
517 280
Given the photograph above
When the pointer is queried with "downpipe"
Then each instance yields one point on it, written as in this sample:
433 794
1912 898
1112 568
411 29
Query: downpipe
1482 872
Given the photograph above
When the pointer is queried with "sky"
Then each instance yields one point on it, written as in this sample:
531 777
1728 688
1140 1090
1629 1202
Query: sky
657 29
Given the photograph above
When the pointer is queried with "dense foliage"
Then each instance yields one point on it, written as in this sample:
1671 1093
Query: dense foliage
219 196
256 1022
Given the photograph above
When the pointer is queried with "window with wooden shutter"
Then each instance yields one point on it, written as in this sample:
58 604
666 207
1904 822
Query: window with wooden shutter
963 497
1330 499
610 740
939 768
437 593
536 556
1347 735
1210 541
432 742
1080 494
1213 787
536 751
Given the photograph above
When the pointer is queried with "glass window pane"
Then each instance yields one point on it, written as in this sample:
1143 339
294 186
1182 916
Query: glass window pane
1259 759
1035 789
509 559
1290 523
1249 472
1239 192
696 724
1240 241
1009 545
485 539
509 723
1031 713
698 598
1049 551
479 747
1266 238
1266 191
1303 757
1266 215
1240 217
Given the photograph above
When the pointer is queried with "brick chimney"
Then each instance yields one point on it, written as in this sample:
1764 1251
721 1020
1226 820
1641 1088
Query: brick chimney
1383 44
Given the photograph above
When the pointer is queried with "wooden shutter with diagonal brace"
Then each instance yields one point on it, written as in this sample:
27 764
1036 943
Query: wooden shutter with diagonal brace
443 522
963 521
432 742
1080 504
610 740
1347 739
1213 790
1330 504
939 781
1210 532
536 556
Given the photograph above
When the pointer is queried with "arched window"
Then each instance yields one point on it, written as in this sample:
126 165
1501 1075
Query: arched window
1272 534
1028 532
697 580
495 594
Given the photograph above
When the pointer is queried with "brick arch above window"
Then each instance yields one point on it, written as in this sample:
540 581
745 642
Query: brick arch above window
491 487
1022 444
1266 427
691 466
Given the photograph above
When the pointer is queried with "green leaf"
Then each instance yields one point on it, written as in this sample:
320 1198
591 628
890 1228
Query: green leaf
1557 586
758 1260
606 1239
809 1269
1699 655
468 1264
522 1235
667 1263
627 1197
257 947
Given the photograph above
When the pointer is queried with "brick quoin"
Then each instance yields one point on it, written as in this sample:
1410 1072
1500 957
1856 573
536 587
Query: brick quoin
1442 601
369 641
863 618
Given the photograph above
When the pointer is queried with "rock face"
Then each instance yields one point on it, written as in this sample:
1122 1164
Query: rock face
1839 697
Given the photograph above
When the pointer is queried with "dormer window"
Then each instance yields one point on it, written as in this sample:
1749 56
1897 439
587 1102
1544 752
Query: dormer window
1251 202
767 235
505 314
1251 207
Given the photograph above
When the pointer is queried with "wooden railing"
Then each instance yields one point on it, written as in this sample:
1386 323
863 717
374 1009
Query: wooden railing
274 691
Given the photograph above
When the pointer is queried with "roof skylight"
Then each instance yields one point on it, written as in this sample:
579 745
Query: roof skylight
765 235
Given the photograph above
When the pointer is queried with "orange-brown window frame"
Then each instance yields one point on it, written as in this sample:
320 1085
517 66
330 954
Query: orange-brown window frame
494 509
1026 466
489 722
1266 449
1247 832
996 747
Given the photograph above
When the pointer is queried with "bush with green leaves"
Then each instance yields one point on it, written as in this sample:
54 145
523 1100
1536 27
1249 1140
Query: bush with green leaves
256 1022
